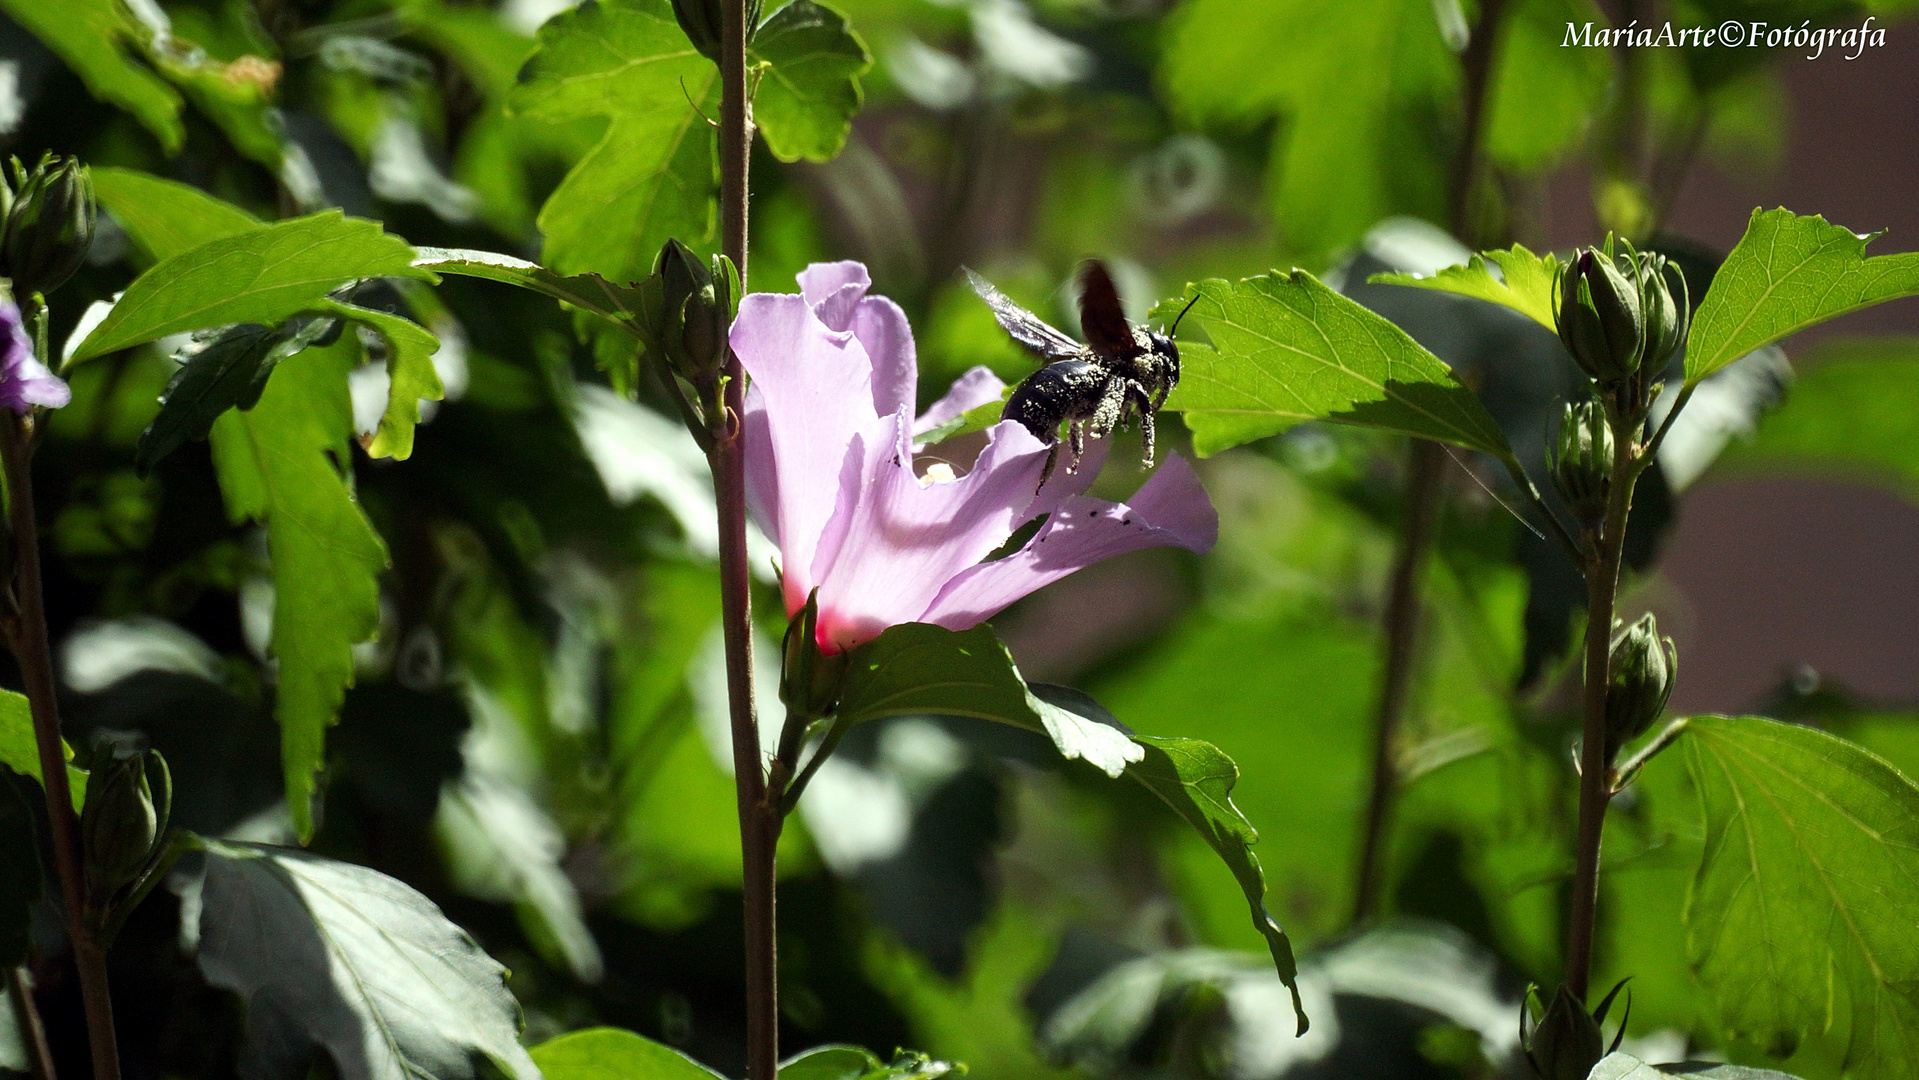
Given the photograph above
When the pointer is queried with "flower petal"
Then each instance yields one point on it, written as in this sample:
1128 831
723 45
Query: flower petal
25 381
821 280
813 389
1171 510
904 540
971 390
882 328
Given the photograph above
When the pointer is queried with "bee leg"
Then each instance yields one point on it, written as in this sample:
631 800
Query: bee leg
1076 433
1112 407
1146 432
1052 459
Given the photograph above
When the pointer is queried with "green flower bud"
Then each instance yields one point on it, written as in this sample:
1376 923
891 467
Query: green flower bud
1581 463
1666 319
49 224
695 308
809 677
701 21
1567 1043
1599 316
1643 666
125 820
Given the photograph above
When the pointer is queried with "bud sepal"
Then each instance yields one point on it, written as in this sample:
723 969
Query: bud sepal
1581 461
49 224
1566 1042
1643 666
123 829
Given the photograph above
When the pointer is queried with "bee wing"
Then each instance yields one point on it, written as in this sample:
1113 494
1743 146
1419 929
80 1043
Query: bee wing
1101 317
1024 326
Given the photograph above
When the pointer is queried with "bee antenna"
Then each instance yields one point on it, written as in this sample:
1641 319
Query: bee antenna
1174 332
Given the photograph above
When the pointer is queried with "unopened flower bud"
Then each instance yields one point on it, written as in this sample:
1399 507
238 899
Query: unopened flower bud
1599 316
695 308
809 677
125 820
701 21
1581 462
49 224
1666 318
1567 1043
1643 666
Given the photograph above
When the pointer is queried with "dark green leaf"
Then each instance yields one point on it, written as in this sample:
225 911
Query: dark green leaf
588 292
810 88
917 669
651 175
94 37
19 875
858 1063
260 276
329 956
166 217
613 1054
230 373
1852 412
1626 1067
1525 281
1809 878
1285 348
1196 780
1787 273
281 463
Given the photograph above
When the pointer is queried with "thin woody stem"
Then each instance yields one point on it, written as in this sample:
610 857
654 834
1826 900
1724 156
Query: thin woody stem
760 818
27 635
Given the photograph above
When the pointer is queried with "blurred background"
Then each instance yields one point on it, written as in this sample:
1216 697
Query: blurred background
537 739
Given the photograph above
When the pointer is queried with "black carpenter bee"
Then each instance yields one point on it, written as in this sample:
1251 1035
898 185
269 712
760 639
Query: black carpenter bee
1123 371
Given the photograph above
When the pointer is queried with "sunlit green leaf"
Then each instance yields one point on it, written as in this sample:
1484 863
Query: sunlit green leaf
409 364
1809 879
810 88
261 276
1787 273
857 1063
95 38
1853 412
281 464
588 292
651 175
1542 97
614 1054
1285 348
333 957
166 217
1524 283
977 418
20 752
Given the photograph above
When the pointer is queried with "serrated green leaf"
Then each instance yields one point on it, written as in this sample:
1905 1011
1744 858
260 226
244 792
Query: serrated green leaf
94 38
20 751
165 217
651 176
282 464
336 958
1285 348
614 1054
1810 878
1620 1066
858 1063
1853 412
1340 161
1788 273
260 276
1524 284
19 874
619 304
809 90
231 372
917 669
409 364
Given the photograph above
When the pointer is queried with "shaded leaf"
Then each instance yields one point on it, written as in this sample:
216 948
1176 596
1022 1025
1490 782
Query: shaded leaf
1810 876
1524 283
166 217
94 38
651 176
1285 348
977 418
19 750
19 874
336 957
614 1054
810 88
231 372
260 276
858 1063
1787 273
917 669
1853 411
281 464
619 304
1620 1066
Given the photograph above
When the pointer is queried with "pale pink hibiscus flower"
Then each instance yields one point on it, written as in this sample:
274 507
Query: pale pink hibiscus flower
831 477
24 381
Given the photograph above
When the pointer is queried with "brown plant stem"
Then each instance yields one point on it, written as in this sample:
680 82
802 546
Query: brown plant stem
32 1032
760 818
1425 473
1595 779
27 635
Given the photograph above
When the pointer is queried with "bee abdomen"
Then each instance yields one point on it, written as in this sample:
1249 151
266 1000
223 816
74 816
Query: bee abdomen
1054 394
